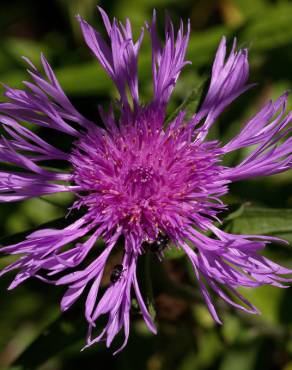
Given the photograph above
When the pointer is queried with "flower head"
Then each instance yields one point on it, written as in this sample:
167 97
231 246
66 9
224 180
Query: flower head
137 180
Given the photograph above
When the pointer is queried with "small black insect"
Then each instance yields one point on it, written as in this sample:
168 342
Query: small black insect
116 273
160 243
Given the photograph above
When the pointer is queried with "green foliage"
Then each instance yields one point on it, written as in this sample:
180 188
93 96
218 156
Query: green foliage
60 336
191 103
261 221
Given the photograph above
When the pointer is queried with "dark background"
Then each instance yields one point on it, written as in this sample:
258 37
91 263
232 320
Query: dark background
33 335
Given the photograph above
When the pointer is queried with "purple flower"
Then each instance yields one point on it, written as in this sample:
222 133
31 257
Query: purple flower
136 180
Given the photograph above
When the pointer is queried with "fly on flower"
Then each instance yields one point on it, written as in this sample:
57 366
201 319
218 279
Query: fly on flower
136 180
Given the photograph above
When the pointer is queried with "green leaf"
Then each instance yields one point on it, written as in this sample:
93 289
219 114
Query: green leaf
84 78
203 45
235 214
86 8
256 220
268 300
57 223
62 333
173 252
250 7
210 346
272 29
191 103
17 47
240 359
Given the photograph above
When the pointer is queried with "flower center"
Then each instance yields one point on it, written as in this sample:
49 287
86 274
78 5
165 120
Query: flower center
141 174
141 181
146 182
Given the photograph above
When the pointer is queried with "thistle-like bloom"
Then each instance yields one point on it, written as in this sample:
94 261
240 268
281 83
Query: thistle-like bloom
137 180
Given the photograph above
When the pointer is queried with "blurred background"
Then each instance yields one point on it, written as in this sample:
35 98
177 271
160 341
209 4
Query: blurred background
33 333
